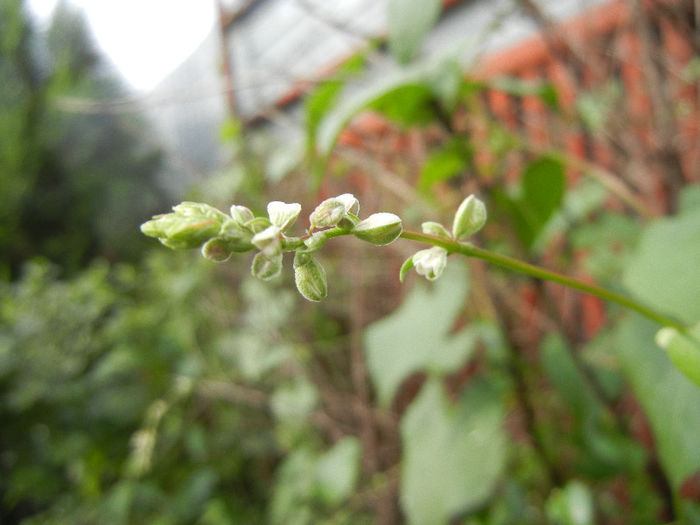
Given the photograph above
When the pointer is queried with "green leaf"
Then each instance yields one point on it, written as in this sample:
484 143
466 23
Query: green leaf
416 337
541 195
595 107
543 189
453 454
293 485
317 104
545 91
571 505
337 119
444 164
409 22
562 372
683 349
407 105
337 471
405 268
294 401
325 95
664 270
669 399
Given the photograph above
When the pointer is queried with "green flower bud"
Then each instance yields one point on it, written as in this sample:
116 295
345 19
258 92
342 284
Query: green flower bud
310 277
189 226
431 262
198 209
266 266
379 228
436 229
241 214
328 213
282 214
216 250
237 237
469 219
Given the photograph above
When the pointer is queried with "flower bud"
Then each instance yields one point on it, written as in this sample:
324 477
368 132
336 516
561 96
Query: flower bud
237 237
266 266
241 214
379 228
469 219
198 209
328 213
216 250
431 262
189 226
352 205
282 214
436 229
310 277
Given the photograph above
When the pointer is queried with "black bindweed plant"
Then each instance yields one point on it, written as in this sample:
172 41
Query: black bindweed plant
193 225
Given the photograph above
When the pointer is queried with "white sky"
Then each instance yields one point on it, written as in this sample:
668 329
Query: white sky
145 39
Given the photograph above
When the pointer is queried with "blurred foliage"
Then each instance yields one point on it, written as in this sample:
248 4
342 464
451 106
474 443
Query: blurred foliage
75 182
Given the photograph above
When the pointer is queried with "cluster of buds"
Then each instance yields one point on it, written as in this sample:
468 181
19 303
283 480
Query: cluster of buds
193 225
430 263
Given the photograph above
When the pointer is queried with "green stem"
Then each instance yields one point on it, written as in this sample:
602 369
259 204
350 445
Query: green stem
470 250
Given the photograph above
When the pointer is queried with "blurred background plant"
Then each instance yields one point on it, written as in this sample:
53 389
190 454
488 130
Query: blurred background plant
144 386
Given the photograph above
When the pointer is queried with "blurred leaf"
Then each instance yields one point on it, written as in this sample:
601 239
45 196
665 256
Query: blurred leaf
454 454
230 130
189 501
543 190
571 505
417 336
317 104
605 451
607 240
595 107
294 401
409 84
572 217
446 80
293 485
663 271
409 22
562 372
545 91
691 70
683 350
540 196
689 199
669 399
444 164
337 471
325 95
407 105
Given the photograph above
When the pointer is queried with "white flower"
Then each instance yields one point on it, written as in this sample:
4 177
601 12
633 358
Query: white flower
241 214
431 262
283 214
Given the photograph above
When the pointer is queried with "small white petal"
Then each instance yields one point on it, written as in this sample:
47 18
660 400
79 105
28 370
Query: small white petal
283 214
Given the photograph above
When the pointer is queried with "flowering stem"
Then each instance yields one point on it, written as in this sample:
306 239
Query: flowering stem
470 250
